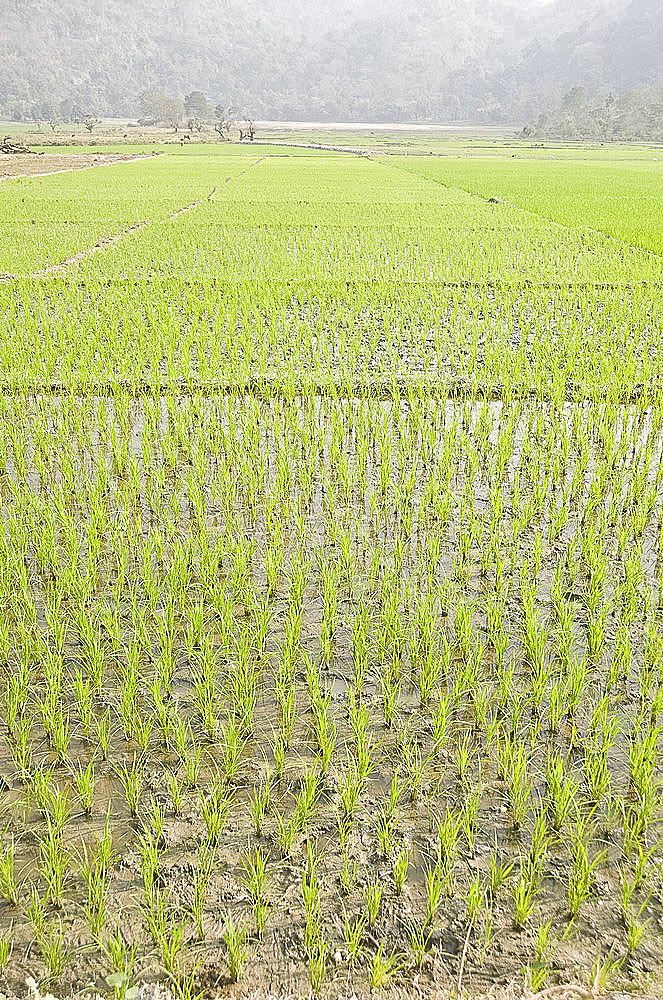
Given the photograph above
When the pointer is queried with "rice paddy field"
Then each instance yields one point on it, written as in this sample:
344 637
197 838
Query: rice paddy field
331 645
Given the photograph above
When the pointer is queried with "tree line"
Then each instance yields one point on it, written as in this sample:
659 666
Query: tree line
634 116
195 113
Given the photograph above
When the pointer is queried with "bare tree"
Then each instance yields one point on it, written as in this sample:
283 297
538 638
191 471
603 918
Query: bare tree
249 131
90 121
225 119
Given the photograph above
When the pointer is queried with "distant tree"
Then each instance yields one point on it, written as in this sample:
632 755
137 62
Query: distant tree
248 131
90 121
66 109
196 106
576 98
225 119
156 108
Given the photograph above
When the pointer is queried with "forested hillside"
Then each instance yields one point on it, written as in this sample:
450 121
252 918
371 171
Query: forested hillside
348 59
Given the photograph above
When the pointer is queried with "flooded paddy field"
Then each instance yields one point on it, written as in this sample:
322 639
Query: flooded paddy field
331 648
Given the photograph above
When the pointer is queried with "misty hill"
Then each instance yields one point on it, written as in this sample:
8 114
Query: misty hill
613 50
361 59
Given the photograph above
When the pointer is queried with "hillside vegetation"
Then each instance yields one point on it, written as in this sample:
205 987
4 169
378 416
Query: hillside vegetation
436 59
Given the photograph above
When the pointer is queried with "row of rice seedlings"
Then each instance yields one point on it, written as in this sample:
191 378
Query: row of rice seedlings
425 638
338 338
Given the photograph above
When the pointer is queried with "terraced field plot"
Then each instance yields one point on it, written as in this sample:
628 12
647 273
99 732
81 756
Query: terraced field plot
331 641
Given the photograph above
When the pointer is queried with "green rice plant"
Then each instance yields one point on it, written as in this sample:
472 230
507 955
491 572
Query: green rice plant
400 866
635 931
597 772
131 779
596 634
384 967
202 876
415 765
53 862
306 799
498 873
325 733
43 789
525 892
469 815
448 833
517 780
9 888
353 934
6 949
535 975
310 885
539 843
287 831
476 899
186 985
51 943
36 912
434 884
644 859
157 908
175 791
364 756
233 746
142 732
350 790
419 943
254 878
431 667
348 873
84 700
441 722
372 900
171 944
95 869
318 957
561 792
603 972
214 809
279 749
581 878
391 695
542 946
84 780
259 804
151 852
121 959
